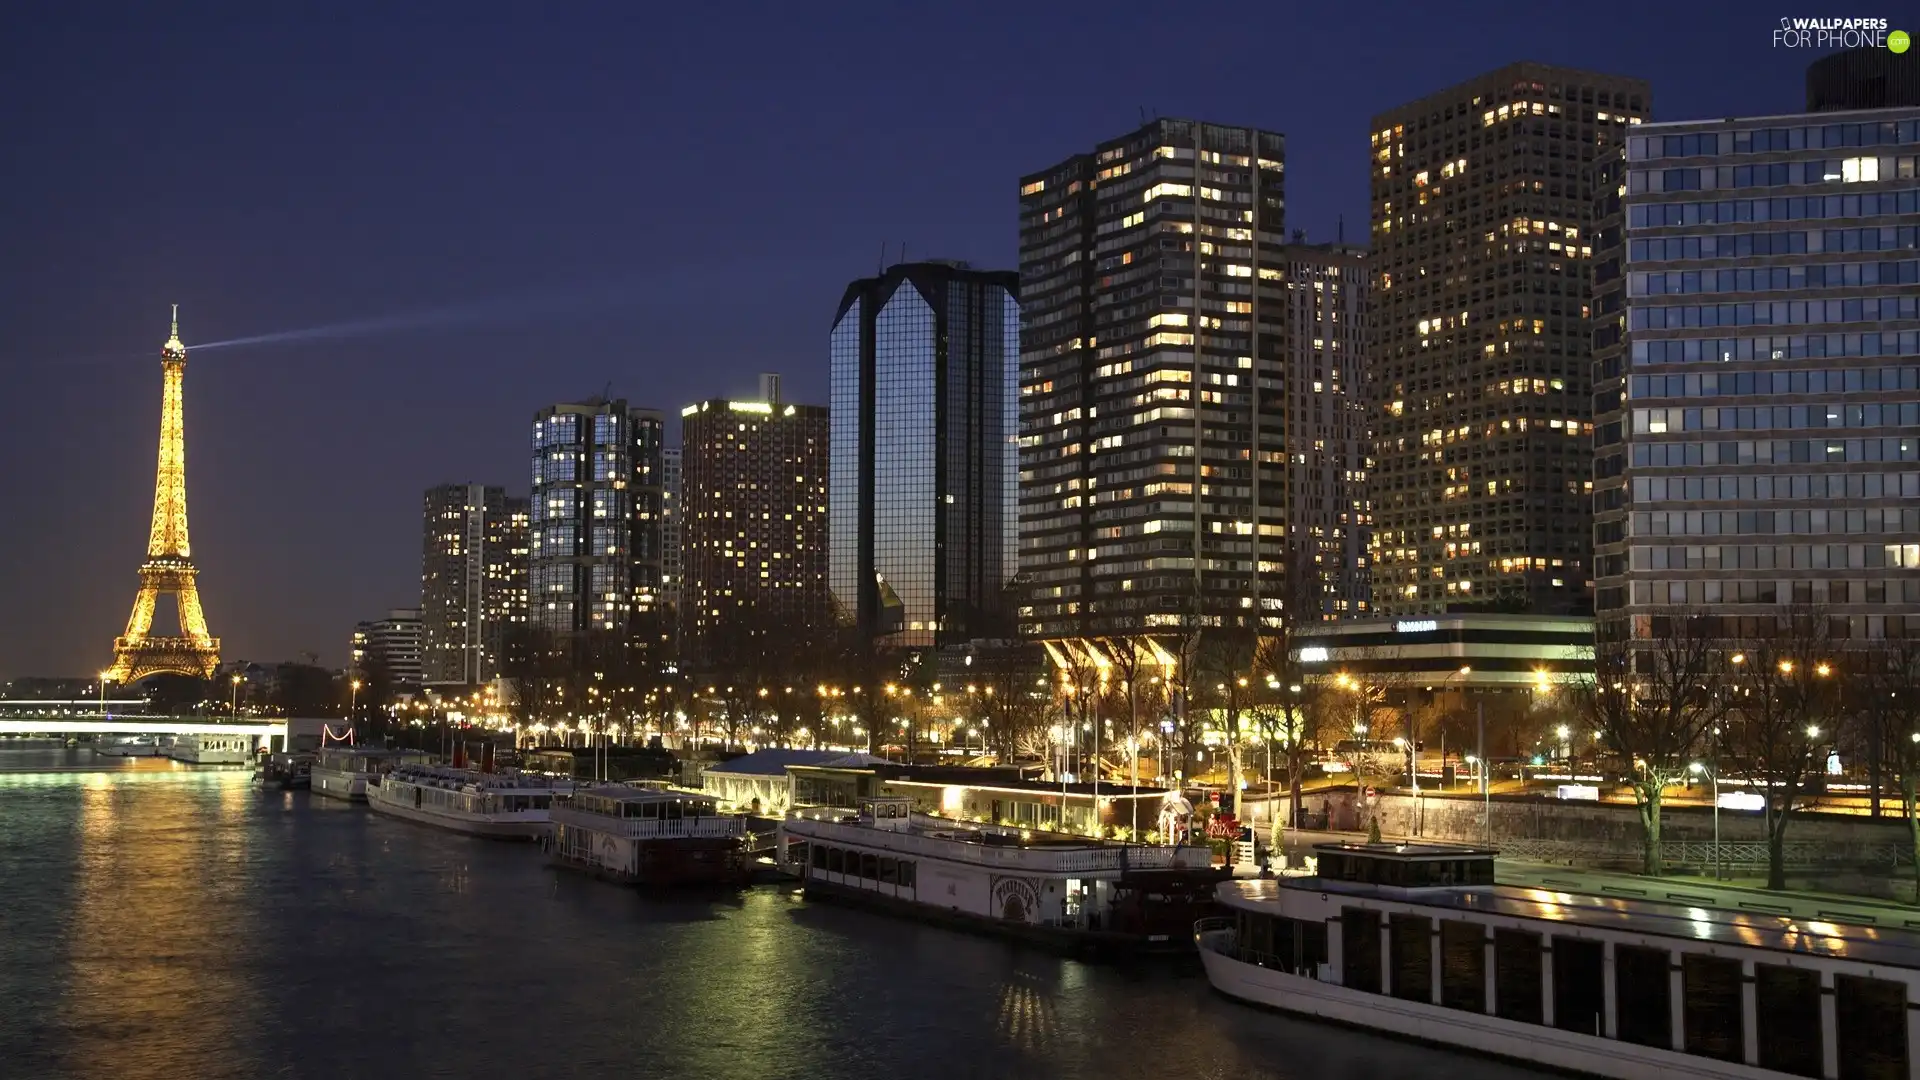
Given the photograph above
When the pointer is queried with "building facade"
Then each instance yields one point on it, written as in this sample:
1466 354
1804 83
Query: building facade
753 527
925 452
1482 222
1321 396
392 645
670 515
594 529
472 580
1757 357
1151 272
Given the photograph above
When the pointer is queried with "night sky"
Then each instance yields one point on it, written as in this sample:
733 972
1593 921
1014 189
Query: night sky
642 196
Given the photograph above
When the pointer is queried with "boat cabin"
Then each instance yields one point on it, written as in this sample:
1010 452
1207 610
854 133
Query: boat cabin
645 803
1598 983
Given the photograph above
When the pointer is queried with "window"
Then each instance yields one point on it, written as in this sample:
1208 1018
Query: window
1516 976
1714 1019
1360 949
1787 1013
1642 996
1463 966
1410 938
1579 986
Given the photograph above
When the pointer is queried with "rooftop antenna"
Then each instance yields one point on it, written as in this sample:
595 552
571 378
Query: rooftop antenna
176 320
903 251
883 258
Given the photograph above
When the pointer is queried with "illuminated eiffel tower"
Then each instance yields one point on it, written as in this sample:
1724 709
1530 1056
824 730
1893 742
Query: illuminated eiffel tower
169 567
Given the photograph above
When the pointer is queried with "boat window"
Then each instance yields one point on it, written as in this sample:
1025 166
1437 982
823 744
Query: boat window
1360 949
1579 986
1714 1019
1872 1030
1787 1014
649 810
870 866
674 811
835 861
886 870
1313 947
1463 966
906 874
1410 939
1516 976
819 857
1643 996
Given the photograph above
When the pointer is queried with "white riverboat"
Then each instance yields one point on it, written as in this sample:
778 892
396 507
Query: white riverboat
1417 941
132 746
343 772
649 836
1073 892
212 749
507 805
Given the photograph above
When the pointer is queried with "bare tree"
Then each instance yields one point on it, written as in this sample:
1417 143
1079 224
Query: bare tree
1889 680
1784 714
1653 699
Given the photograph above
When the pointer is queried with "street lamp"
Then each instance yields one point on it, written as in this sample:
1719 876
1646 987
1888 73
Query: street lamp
353 701
104 676
233 699
1701 770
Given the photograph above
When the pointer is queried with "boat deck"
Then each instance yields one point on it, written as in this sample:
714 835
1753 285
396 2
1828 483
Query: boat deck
1865 944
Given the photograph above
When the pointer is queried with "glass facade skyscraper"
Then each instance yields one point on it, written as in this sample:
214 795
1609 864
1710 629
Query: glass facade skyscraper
594 530
925 453
1757 375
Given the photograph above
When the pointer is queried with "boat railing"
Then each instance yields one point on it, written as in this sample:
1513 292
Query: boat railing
1094 856
649 828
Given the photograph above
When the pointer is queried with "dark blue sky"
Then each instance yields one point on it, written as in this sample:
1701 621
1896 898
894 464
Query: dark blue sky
655 197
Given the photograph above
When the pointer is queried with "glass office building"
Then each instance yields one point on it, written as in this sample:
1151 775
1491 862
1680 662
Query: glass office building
473 580
925 452
594 530
1757 375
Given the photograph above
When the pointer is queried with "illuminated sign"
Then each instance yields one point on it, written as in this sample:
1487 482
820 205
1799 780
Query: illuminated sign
1313 655
1579 792
1416 626
1741 800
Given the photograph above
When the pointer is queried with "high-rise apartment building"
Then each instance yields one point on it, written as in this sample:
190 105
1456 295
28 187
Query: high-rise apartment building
754 526
391 645
1757 364
1482 235
594 547
1320 393
472 580
925 454
670 514
1154 284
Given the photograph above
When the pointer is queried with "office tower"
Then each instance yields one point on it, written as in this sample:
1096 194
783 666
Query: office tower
670 515
1141 283
1758 361
472 580
925 451
392 646
753 529
1874 77
593 547
1483 210
1321 398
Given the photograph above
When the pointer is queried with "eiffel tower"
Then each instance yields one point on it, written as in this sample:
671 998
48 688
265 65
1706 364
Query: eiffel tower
169 567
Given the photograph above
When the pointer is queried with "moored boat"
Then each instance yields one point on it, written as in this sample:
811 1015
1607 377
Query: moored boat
1075 893
285 772
206 749
649 836
1417 941
507 805
132 746
343 772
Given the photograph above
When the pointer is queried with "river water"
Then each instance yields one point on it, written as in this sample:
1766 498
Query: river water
158 921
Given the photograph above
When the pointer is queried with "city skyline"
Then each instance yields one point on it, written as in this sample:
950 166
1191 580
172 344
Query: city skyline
325 478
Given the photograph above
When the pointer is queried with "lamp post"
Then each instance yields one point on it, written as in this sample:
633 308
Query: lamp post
353 701
104 676
233 699
1713 777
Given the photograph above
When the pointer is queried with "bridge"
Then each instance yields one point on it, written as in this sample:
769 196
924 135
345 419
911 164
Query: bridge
274 731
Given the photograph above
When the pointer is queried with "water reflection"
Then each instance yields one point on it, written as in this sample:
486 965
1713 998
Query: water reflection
193 928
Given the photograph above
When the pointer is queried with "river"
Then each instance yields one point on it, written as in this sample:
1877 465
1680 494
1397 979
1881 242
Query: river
158 921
